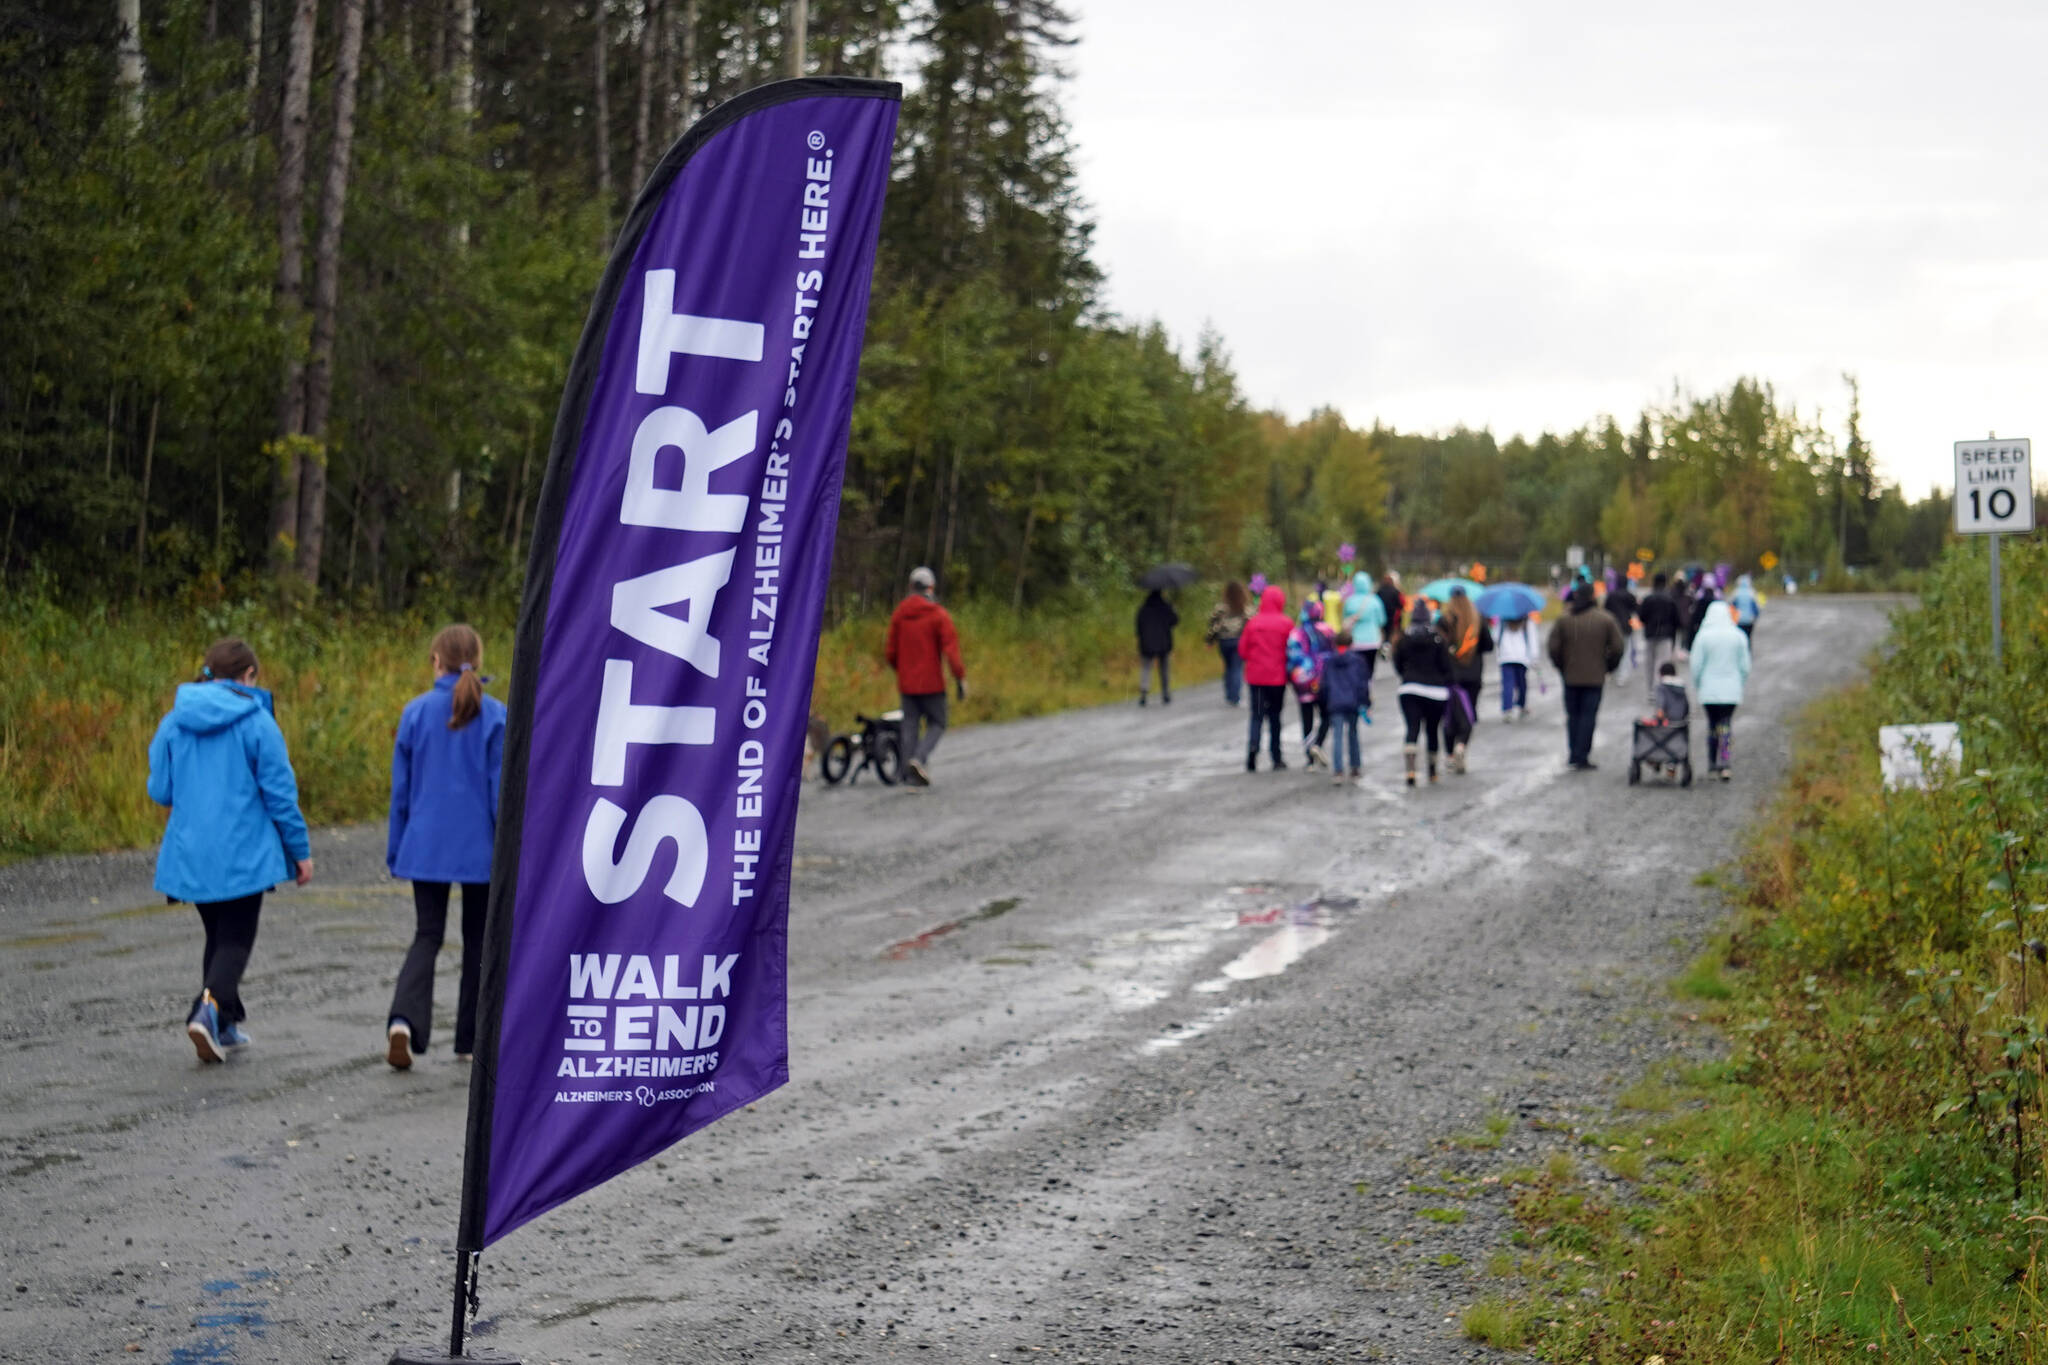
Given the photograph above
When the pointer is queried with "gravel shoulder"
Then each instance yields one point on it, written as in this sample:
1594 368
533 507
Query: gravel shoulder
1104 1049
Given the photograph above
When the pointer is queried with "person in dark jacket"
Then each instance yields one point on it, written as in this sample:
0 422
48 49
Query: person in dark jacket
1702 603
920 635
1226 624
1263 646
1661 623
1342 694
1390 598
1470 639
1423 661
445 764
1585 647
218 762
1156 620
1621 605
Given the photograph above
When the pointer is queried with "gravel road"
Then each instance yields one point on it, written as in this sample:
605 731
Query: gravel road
1104 1050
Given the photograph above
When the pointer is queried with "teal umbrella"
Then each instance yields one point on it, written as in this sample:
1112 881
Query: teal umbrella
1439 592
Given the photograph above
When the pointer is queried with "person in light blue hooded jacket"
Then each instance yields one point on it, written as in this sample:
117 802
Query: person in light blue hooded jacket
1365 616
1720 670
218 762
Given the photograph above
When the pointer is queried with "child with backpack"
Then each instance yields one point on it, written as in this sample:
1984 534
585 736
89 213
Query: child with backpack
1308 648
218 762
1343 695
445 765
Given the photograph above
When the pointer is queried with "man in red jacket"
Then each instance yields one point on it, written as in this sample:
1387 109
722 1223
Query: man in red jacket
1263 647
920 631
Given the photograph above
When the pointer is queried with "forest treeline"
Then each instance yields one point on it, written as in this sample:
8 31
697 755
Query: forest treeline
288 289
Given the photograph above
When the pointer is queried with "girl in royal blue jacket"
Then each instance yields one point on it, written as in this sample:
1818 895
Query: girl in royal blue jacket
444 819
218 761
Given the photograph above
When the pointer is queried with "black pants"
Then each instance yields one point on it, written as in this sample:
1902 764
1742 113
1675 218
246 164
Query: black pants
1422 714
413 1001
230 938
1581 714
1313 712
1266 704
1461 712
1720 734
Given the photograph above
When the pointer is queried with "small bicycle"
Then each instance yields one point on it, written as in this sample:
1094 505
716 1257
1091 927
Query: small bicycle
878 746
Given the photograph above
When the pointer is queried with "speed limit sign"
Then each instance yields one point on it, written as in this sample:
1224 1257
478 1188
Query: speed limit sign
1994 487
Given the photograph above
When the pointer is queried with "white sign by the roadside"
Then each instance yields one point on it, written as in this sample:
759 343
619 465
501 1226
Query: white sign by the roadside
1574 556
1912 756
1994 487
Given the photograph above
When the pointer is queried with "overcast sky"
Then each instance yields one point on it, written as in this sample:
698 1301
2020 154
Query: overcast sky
1521 215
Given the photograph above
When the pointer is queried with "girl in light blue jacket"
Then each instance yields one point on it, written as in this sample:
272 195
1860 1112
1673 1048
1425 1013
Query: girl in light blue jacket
445 764
218 762
1720 669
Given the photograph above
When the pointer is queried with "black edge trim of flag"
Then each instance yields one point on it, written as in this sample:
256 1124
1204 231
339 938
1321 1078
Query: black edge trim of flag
533 610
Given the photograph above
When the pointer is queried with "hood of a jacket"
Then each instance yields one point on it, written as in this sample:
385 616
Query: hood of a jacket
205 707
918 607
1718 621
1361 584
1272 600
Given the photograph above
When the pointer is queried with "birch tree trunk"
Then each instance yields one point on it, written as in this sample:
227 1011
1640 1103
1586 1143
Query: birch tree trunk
799 35
251 82
686 66
348 60
604 118
462 62
291 269
129 72
643 128
462 82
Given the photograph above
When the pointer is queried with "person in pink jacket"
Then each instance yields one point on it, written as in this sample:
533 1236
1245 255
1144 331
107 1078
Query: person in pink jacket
1263 647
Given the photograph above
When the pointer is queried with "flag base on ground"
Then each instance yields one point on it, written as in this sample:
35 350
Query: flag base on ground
434 1355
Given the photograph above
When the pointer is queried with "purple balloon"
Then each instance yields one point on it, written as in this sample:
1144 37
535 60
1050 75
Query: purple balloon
1347 552
1258 583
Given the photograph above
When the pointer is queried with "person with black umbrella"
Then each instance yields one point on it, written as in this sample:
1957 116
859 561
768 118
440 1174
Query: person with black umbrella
1156 620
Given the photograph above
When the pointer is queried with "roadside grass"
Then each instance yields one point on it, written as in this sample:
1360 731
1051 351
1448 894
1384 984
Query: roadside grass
84 689
1864 1176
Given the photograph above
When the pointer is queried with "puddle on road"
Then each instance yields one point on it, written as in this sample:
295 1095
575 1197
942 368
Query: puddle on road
1176 1034
1275 953
903 948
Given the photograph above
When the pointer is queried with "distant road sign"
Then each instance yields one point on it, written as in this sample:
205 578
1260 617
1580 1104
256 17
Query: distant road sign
1994 487
1574 556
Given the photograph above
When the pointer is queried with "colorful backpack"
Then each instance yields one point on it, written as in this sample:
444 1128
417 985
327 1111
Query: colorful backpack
1308 649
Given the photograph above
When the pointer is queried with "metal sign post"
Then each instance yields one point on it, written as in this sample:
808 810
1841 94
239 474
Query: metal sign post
1994 497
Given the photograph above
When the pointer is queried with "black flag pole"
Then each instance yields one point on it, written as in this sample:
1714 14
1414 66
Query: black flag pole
526 666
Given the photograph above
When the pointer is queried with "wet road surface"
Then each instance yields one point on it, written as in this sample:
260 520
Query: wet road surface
1103 1049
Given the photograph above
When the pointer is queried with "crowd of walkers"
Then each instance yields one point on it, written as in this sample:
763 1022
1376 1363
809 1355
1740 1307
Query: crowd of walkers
1325 654
218 761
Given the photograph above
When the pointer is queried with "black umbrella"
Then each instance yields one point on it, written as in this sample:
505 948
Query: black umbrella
1168 576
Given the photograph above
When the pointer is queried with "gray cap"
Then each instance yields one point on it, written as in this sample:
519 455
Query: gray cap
921 577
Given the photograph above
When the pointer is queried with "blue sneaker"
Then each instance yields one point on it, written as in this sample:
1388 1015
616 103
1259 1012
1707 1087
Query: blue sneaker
204 1030
234 1035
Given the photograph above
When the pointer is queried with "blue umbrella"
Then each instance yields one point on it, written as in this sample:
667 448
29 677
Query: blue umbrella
1439 591
1509 601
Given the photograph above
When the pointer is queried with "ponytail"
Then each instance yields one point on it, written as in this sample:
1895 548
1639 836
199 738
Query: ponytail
459 650
227 660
